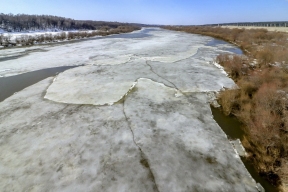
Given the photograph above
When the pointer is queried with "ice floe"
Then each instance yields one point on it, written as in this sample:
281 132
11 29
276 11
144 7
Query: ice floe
195 159
47 146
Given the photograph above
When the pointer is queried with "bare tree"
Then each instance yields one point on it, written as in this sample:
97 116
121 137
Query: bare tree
22 22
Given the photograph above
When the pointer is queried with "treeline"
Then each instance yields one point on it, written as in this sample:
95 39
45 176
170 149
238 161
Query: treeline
261 103
24 40
23 22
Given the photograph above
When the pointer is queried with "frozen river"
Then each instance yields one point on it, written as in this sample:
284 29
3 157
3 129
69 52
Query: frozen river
134 117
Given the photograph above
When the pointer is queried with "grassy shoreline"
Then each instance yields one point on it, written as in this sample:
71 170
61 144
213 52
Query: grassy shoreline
261 103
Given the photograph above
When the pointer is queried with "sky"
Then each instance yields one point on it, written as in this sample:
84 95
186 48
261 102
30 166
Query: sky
166 12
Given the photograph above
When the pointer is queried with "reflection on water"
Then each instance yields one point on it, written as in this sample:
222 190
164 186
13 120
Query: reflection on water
232 127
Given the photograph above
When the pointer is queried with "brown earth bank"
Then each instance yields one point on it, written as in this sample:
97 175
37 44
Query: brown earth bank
260 101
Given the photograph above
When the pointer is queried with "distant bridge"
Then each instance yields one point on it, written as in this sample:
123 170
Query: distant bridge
254 24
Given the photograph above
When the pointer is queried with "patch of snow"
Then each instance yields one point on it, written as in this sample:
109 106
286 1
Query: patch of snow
4 70
220 67
14 35
175 57
237 145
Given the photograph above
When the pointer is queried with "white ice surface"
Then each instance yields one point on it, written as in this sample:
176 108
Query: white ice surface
184 146
47 146
160 136
161 46
172 58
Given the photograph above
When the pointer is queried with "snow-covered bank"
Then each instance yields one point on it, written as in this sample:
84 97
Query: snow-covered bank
14 35
22 39
159 134
30 38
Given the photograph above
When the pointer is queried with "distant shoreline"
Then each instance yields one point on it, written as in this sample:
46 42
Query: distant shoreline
279 29
8 40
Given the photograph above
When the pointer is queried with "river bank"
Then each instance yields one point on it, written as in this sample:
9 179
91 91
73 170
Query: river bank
258 104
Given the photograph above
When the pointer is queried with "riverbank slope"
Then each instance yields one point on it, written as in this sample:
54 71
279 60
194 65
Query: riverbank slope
261 102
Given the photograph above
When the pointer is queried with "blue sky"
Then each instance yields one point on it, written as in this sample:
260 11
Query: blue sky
184 12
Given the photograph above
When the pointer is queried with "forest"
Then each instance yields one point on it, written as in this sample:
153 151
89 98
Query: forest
24 22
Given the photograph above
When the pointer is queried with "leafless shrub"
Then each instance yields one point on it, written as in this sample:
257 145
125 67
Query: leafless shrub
233 64
228 100
265 57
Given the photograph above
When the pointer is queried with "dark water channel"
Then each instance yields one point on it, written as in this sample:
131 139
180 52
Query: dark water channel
230 125
13 84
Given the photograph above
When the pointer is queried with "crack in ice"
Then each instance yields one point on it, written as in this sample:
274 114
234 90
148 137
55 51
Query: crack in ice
144 159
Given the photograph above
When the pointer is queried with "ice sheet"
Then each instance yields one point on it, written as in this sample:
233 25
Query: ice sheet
162 46
47 146
159 134
195 159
